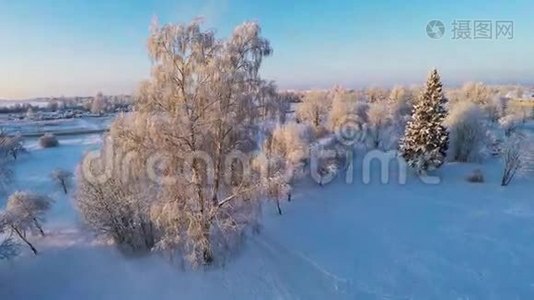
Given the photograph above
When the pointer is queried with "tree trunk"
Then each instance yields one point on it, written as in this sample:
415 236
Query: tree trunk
278 206
64 185
38 227
23 238
207 254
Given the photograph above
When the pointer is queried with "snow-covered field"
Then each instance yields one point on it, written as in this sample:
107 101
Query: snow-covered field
453 240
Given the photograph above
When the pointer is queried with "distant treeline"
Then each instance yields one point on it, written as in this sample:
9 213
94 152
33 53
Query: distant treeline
98 104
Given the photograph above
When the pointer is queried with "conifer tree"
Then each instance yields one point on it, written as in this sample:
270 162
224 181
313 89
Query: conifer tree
425 141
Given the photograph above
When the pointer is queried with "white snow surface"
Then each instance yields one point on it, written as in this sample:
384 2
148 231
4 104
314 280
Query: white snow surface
453 240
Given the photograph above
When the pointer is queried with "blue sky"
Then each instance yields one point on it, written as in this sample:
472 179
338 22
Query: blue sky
75 47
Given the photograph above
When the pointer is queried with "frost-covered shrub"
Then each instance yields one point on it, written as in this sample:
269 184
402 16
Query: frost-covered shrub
115 206
325 170
476 176
467 133
48 140
517 154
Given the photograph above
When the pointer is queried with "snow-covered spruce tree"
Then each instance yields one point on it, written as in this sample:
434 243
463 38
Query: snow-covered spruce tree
425 142
197 115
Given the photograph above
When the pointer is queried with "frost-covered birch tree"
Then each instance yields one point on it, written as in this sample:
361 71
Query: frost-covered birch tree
63 178
314 108
25 212
192 131
285 153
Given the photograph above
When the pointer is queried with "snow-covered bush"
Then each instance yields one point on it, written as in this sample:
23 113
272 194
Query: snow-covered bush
326 168
476 176
25 212
116 205
517 154
48 140
63 178
467 133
